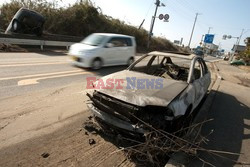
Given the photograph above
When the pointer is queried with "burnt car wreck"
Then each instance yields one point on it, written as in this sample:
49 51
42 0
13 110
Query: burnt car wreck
159 90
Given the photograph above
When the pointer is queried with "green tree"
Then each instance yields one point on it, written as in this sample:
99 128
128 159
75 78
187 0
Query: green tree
80 19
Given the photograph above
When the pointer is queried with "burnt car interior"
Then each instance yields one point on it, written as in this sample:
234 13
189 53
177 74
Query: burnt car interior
163 66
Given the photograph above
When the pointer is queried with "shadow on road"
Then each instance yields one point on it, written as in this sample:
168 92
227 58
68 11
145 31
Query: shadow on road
48 52
228 130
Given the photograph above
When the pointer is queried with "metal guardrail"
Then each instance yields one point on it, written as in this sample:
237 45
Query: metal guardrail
40 43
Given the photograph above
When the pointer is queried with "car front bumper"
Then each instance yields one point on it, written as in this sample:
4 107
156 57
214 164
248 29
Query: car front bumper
114 121
80 61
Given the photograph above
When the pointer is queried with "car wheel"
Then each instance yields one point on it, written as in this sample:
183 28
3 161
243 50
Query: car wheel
97 64
130 61
15 25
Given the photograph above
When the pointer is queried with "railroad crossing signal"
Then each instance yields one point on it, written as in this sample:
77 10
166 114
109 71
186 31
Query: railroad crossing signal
165 17
161 16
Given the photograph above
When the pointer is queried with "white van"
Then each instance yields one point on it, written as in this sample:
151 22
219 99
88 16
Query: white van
103 49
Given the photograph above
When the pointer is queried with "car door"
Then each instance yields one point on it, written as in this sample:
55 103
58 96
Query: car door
198 80
119 50
108 54
206 75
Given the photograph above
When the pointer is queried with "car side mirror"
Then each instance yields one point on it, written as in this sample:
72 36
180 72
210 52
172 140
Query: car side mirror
109 45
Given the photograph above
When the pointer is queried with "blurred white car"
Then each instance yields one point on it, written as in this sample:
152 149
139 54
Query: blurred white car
103 49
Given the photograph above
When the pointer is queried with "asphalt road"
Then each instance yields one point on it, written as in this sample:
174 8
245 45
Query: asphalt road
28 72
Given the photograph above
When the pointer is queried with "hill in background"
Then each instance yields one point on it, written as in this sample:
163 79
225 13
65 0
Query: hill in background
82 19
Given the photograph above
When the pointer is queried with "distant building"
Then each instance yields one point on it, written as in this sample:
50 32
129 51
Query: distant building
238 48
211 48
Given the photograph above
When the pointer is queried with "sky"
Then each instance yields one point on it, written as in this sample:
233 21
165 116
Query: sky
224 16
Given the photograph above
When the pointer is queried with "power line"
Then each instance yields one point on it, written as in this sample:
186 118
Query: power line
191 6
150 6
184 11
185 7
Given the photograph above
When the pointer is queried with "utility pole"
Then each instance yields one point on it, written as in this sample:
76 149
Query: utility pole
240 36
209 28
237 43
193 29
141 24
202 39
181 41
157 3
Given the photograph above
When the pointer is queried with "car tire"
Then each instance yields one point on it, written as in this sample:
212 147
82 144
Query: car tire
96 64
130 61
15 26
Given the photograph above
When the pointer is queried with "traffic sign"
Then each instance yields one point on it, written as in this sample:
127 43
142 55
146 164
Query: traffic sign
209 38
224 37
166 17
161 16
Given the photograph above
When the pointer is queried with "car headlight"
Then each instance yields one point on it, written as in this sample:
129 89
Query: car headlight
169 115
84 52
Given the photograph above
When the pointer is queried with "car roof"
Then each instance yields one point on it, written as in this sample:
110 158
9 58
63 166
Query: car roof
176 55
116 35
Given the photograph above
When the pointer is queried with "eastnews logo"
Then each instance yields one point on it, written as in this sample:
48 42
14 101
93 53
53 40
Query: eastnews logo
128 83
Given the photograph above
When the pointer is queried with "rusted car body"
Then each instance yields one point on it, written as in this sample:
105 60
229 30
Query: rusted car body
180 83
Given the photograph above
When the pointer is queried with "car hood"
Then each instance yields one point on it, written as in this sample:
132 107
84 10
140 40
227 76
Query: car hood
82 47
160 96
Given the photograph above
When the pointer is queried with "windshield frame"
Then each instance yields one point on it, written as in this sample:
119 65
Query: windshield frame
94 40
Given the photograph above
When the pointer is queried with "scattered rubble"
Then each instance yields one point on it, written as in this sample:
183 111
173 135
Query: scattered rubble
11 48
92 141
156 147
45 155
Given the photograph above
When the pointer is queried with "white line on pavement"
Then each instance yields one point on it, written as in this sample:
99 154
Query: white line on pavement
32 64
39 75
35 80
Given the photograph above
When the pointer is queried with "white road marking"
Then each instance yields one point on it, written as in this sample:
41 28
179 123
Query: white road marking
32 64
35 80
39 75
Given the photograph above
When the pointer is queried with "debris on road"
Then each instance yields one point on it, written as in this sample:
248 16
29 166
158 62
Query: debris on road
92 141
45 155
11 48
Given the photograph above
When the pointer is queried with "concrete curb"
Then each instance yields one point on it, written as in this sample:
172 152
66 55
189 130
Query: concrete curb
181 159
